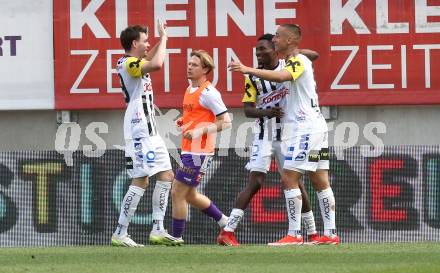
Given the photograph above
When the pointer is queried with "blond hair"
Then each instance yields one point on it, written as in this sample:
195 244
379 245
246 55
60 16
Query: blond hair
205 59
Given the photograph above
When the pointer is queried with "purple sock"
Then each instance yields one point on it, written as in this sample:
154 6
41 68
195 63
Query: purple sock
213 212
178 227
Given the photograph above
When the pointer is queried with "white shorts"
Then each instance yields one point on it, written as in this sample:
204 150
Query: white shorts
261 155
146 156
306 152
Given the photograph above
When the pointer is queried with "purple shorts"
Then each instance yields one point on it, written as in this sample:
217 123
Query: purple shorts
192 168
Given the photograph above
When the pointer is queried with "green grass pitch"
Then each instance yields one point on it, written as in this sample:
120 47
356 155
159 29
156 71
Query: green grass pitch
401 257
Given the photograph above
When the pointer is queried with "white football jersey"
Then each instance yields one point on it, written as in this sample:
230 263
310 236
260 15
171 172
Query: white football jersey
266 95
301 106
139 119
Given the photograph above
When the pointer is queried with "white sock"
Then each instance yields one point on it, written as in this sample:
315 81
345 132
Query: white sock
128 208
160 203
309 222
223 221
327 205
293 206
234 219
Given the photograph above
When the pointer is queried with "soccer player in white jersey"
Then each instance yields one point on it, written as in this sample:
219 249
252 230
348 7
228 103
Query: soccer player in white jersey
305 134
145 151
262 101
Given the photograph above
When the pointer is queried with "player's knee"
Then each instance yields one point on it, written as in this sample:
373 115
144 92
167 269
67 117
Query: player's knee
167 176
176 194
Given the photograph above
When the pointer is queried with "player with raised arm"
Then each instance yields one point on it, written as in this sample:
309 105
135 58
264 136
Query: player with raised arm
305 134
145 151
262 101
204 114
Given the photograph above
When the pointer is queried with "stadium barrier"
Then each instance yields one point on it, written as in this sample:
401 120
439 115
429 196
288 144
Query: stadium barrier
394 197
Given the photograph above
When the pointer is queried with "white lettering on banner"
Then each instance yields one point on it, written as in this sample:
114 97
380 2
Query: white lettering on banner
271 14
110 70
230 56
403 58
161 13
382 20
93 54
121 16
201 18
166 66
79 18
422 13
427 49
335 84
339 13
246 21
371 67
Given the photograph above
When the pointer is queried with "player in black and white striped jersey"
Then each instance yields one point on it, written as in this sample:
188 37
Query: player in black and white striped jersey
262 100
145 151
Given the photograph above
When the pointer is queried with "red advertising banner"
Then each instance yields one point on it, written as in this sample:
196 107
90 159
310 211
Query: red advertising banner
372 52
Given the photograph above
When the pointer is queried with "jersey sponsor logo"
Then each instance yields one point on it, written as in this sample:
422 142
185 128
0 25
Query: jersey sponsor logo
135 120
275 97
188 107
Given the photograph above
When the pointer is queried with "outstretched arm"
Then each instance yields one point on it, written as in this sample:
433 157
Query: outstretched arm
269 75
157 54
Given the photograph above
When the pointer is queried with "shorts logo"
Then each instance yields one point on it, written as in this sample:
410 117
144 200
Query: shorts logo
301 156
324 154
290 153
255 150
314 156
138 146
151 156
304 142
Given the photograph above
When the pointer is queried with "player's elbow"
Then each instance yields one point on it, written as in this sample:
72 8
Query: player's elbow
156 66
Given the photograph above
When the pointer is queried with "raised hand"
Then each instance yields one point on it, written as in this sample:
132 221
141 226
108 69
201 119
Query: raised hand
161 28
237 67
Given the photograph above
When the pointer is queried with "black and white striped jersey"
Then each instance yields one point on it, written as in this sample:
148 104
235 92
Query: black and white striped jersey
139 119
265 95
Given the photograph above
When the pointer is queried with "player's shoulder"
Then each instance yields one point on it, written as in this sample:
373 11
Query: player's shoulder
133 62
210 89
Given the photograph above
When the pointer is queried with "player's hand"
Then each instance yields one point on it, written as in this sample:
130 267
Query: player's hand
189 135
193 134
275 112
238 67
162 29
179 122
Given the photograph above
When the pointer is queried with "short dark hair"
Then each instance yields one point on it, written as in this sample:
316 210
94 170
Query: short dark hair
130 34
294 28
267 37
